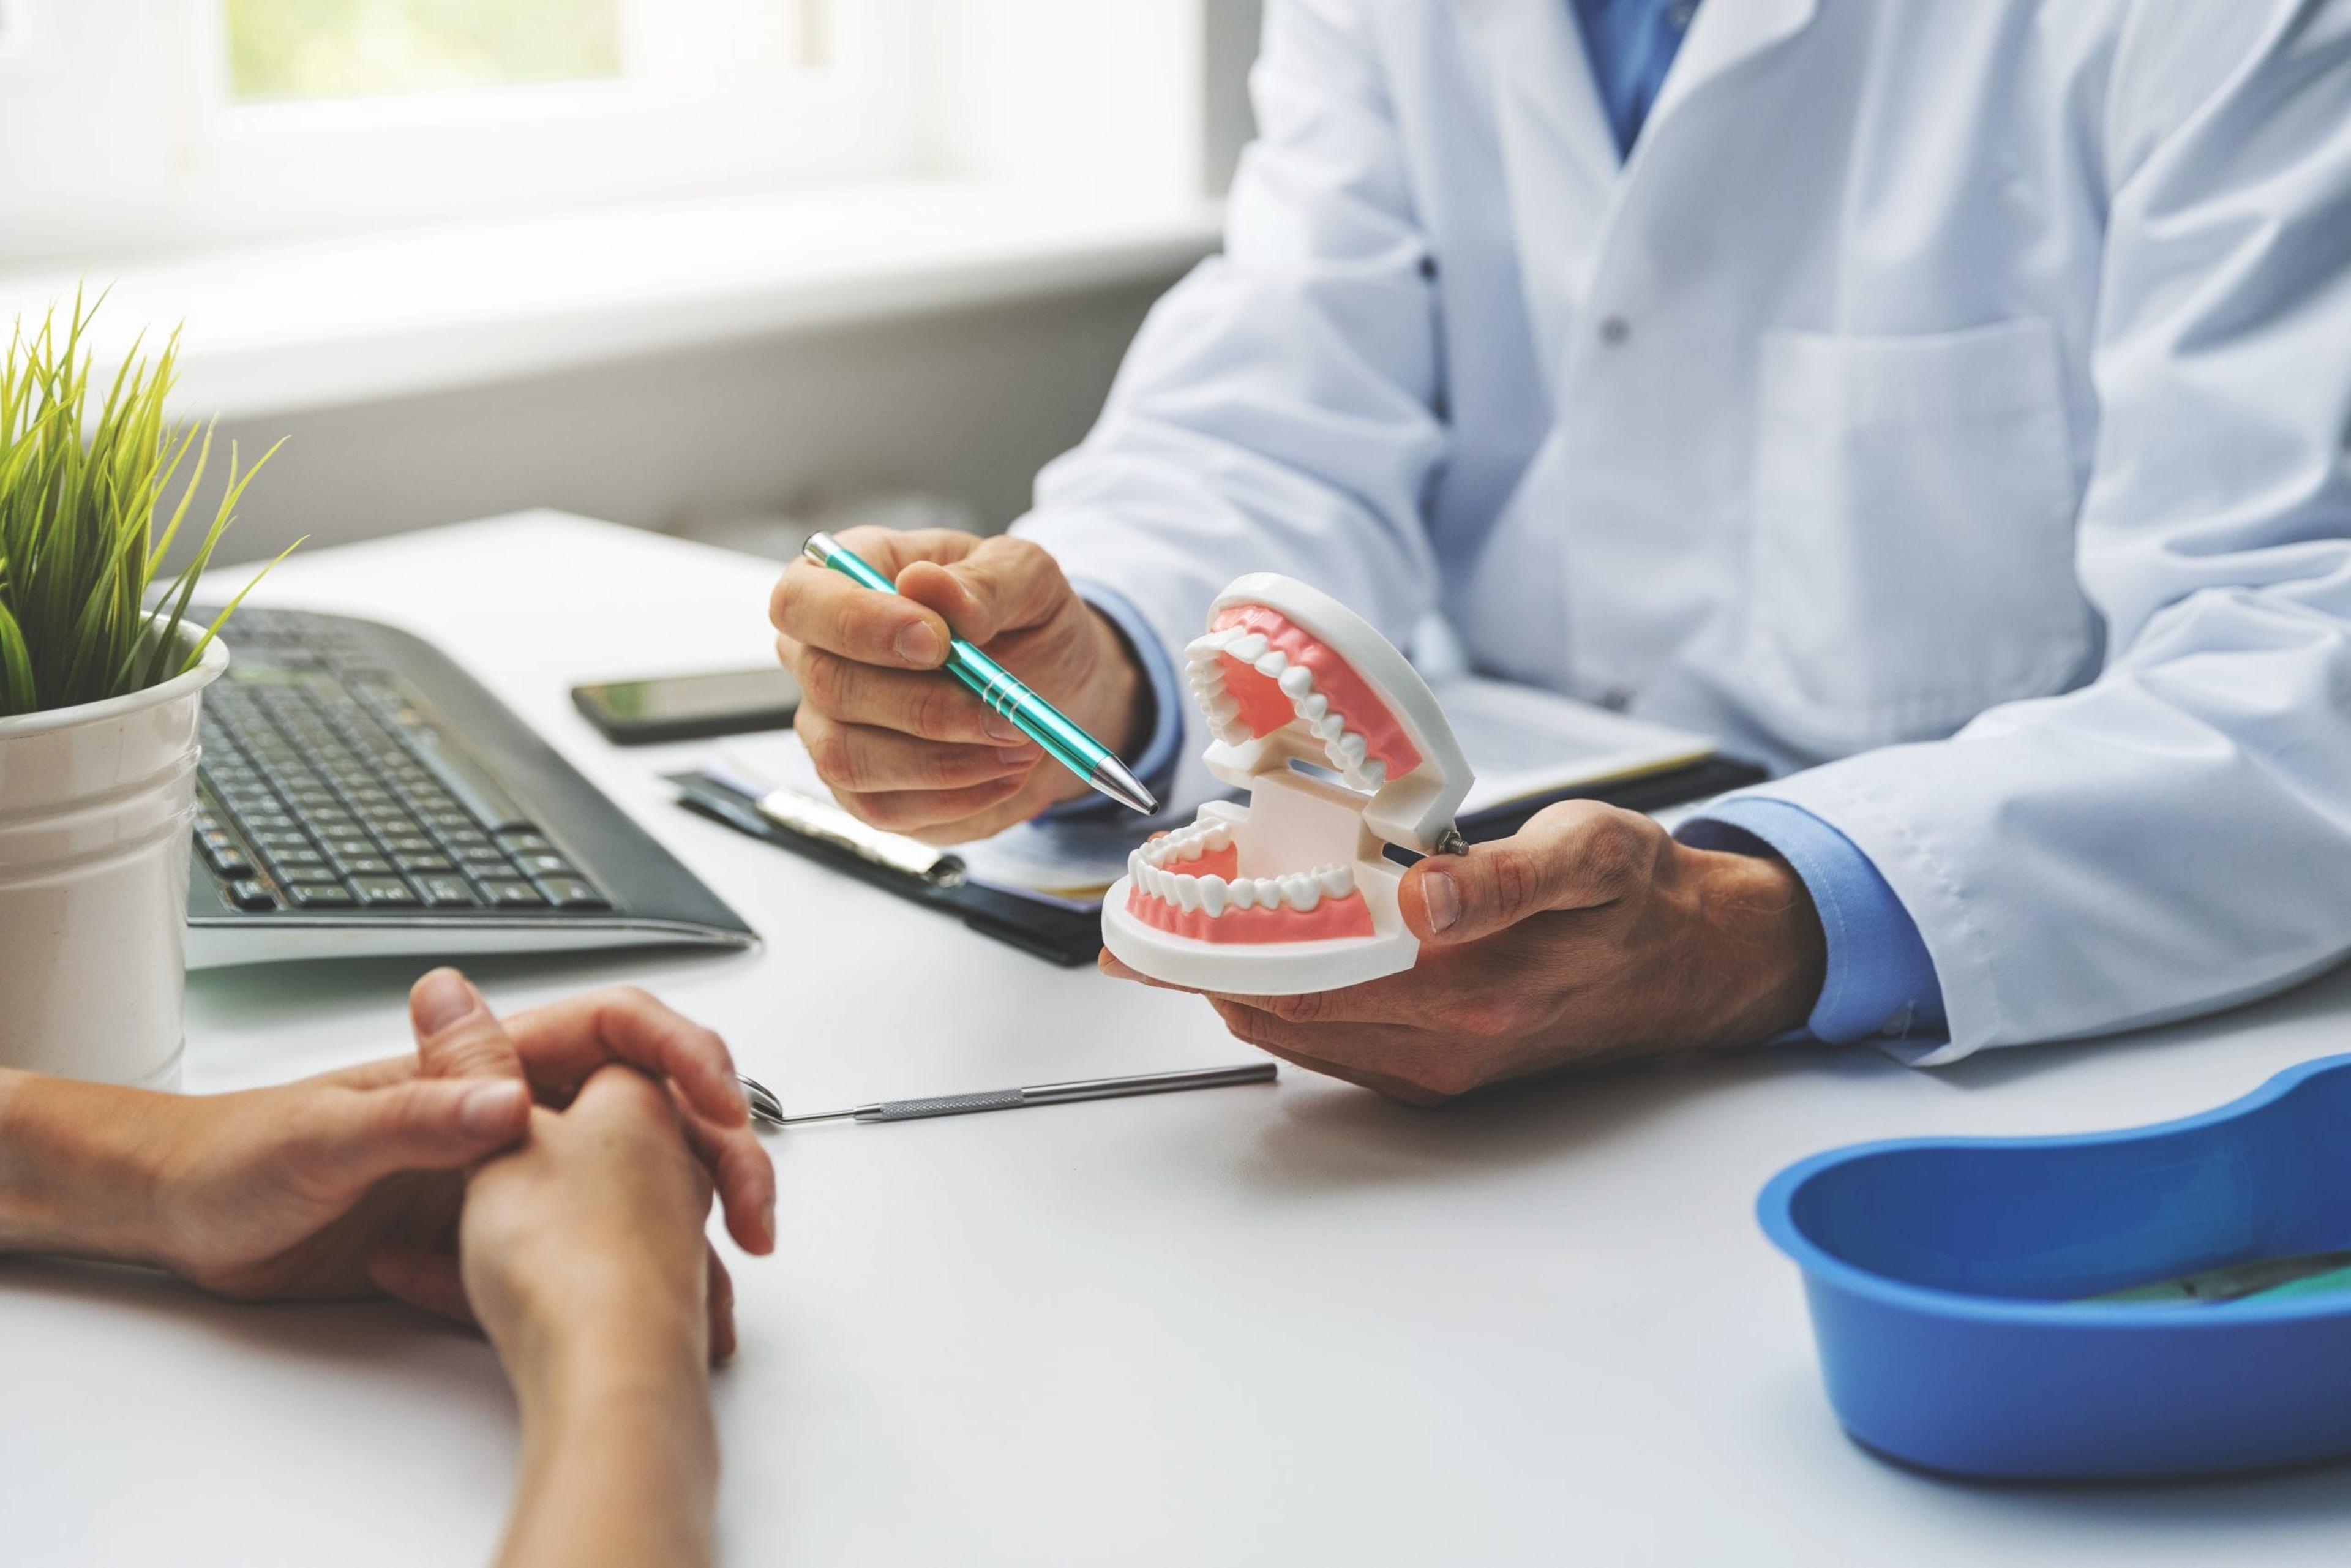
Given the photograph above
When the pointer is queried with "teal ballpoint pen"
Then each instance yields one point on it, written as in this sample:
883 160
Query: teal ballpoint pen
996 686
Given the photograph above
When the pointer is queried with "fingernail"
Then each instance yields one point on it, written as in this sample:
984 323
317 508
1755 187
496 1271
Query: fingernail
1013 754
441 999
918 645
999 728
488 1107
1438 891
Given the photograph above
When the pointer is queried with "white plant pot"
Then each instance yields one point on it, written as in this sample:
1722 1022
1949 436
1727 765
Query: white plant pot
96 804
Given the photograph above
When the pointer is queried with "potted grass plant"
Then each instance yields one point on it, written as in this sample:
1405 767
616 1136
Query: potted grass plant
100 681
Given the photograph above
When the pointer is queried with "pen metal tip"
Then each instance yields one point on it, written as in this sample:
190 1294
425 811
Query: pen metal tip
1113 779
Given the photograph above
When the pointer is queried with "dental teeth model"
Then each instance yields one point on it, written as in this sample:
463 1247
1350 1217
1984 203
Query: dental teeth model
1293 892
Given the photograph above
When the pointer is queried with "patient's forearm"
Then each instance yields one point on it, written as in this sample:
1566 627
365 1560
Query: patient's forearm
620 1459
74 1175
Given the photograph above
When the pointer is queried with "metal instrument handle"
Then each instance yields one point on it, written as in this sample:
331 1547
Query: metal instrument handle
1149 1083
941 1105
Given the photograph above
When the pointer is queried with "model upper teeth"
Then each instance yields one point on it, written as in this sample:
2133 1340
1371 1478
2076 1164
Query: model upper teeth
1345 749
1158 868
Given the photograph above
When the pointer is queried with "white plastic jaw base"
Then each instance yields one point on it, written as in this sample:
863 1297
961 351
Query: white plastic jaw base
1312 683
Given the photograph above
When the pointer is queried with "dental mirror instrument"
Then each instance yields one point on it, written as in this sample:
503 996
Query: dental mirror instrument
765 1108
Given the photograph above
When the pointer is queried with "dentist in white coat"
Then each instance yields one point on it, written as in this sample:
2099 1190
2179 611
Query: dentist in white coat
1947 401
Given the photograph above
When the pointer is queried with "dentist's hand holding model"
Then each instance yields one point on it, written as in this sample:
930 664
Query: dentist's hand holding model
1829 379
1589 935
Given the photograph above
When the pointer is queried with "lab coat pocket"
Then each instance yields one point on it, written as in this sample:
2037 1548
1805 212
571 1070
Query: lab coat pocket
1913 532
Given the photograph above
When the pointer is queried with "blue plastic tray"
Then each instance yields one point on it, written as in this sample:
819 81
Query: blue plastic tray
1945 1278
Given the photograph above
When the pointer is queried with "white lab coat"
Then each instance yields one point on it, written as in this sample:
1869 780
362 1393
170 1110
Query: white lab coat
1949 402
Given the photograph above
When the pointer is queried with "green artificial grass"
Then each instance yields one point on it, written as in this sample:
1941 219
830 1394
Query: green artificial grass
83 479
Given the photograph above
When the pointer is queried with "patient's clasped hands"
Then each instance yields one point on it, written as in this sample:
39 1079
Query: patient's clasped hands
547 1176
351 1183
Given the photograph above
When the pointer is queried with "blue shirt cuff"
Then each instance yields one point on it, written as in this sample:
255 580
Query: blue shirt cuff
1881 981
1156 764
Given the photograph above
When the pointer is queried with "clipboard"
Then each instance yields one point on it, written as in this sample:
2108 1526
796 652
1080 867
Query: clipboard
1053 930
1700 780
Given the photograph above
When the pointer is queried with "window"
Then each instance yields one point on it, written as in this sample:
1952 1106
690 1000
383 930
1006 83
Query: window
350 49
178 122
291 49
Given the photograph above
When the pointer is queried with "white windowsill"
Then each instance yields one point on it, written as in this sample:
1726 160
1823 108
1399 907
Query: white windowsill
352 319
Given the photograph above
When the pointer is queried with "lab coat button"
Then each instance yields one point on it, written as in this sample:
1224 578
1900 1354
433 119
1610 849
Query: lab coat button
1615 331
1616 699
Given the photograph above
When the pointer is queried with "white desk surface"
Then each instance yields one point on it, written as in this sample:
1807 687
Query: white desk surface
1288 1326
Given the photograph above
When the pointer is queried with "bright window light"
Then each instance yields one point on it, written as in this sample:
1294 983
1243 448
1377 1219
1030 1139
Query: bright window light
281 49
186 126
181 124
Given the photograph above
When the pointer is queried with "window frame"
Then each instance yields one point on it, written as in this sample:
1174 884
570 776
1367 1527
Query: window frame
193 167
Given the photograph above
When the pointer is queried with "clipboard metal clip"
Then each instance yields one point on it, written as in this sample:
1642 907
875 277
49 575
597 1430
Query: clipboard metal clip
828 823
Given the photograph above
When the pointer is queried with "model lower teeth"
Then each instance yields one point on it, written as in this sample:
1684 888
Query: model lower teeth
1189 882
1193 870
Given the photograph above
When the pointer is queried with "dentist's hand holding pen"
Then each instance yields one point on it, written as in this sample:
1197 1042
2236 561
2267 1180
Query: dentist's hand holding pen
906 747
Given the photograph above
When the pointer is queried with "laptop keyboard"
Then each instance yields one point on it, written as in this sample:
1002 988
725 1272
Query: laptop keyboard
326 785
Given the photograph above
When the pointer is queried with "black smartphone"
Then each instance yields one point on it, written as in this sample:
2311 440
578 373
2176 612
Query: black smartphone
689 707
